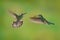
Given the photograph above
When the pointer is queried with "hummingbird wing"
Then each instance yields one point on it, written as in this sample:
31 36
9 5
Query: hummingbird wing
22 14
48 22
13 14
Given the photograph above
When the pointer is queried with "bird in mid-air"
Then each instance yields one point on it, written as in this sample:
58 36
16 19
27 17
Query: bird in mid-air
19 21
40 19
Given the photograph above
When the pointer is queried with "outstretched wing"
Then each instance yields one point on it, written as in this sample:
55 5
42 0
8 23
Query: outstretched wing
22 14
14 14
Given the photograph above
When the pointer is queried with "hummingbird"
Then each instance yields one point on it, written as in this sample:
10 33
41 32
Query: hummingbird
40 18
18 21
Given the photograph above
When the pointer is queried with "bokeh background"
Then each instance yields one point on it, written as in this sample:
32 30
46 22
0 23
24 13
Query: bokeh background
50 9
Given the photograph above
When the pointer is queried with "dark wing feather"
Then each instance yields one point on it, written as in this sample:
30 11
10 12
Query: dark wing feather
22 14
14 14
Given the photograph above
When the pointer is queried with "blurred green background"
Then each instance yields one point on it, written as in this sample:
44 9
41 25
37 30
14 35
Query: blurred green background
50 9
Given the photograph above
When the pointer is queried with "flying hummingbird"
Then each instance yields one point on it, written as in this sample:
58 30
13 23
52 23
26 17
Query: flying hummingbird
19 21
39 19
